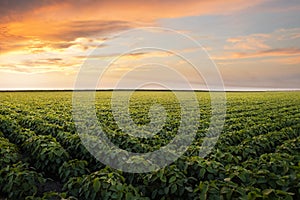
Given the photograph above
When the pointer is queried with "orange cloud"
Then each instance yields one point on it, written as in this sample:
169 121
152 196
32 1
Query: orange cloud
253 42
273 44
284 61
41 27
269 52
116 9
290 53
41 65
66 20
18 35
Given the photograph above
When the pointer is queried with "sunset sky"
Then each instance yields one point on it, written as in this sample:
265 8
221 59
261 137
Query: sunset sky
254 44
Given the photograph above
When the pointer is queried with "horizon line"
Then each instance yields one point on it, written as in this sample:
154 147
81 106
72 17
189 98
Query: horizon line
153 89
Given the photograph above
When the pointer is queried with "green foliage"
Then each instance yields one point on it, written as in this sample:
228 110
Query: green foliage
46 153
51 196
204 169
72 144
9 153
230 190
8 125
291 146
18 181
103 184
257 156
73 168
168 183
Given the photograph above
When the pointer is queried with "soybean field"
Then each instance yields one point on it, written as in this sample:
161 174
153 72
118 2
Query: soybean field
256 156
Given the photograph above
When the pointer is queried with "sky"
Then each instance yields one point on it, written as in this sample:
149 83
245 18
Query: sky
198 44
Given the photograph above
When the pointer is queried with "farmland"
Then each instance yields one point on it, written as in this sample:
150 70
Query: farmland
256 156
